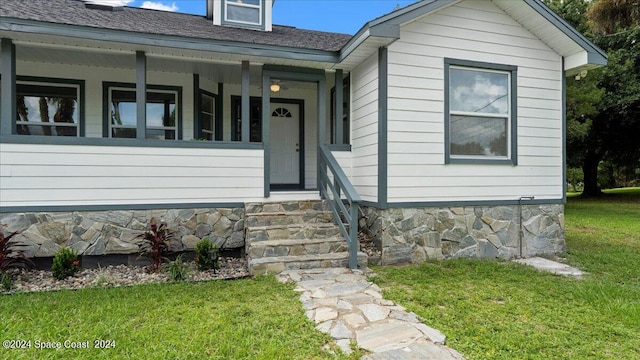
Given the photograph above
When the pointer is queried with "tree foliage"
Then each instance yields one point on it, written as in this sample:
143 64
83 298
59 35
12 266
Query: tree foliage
603 108
610 16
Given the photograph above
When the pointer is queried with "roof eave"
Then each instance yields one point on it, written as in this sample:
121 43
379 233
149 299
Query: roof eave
595 55
388 26
171 41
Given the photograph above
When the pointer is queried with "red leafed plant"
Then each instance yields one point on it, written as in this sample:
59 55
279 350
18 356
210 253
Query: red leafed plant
11 257
155 243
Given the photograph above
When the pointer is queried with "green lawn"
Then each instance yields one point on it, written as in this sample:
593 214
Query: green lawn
487 309
498 310
244 319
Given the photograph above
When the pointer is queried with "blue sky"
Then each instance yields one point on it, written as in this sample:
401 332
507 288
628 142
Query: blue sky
344 16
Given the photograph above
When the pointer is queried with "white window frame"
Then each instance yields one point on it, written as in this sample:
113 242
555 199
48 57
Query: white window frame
259 7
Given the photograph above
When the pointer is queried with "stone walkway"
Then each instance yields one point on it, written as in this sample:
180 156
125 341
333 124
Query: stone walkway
351 309
552 266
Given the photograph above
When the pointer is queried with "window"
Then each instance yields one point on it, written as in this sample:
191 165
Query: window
163 116
255 119
243 11
208 115
281 112
48 107
345 113
480 112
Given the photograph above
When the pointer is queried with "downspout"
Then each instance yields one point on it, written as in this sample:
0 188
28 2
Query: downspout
521 233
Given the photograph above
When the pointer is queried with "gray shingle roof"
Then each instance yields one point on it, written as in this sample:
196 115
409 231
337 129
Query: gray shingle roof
74 12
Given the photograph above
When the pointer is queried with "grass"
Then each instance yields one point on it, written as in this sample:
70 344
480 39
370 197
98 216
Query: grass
500 310
487 309
244 319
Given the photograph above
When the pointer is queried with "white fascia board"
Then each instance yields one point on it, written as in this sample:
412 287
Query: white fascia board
268 14
217 12
576 60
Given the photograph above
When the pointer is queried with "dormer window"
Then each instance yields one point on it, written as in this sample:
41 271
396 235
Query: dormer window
246 12
250 14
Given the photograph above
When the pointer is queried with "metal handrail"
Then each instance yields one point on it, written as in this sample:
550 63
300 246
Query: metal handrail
340 185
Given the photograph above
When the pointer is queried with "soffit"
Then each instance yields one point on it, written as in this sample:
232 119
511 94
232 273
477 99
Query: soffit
222 67
552 30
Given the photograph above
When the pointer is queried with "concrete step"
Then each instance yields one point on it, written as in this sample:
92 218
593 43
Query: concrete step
292 231
285 206
296 247
277 264
288 217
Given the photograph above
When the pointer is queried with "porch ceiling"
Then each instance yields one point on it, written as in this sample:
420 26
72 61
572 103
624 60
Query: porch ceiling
222 67
226 72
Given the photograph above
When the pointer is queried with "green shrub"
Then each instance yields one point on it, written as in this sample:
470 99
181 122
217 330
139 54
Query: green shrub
65 263
207 255
6 281
178 269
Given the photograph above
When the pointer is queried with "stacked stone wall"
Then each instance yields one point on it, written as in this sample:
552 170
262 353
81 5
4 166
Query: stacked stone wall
116 232
415 235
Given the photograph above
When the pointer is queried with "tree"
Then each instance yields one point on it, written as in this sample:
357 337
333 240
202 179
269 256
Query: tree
603 116
44 114
610 16
616 27
572 11
574 178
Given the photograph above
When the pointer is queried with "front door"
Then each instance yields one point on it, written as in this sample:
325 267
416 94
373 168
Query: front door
286 146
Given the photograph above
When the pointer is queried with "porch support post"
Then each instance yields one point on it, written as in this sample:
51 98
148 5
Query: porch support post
338 115
141 95
322 121
8 104
245 101
197 108
266 136
219 112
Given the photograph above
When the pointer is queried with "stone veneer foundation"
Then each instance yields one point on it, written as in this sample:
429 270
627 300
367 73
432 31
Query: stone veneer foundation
405 235
115 232
414 235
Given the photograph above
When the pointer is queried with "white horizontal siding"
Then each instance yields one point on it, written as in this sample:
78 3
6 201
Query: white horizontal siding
364 128
57 175
344 160
477 31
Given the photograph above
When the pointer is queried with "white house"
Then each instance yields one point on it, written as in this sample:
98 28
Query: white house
449 129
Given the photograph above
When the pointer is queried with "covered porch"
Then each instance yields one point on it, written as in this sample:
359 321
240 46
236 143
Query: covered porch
152 125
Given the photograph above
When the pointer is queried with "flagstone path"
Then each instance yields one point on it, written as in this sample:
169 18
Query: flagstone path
344 304
552 266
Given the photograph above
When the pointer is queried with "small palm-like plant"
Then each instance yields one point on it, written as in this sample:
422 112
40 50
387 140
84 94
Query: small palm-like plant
11 258
178 269
155 243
